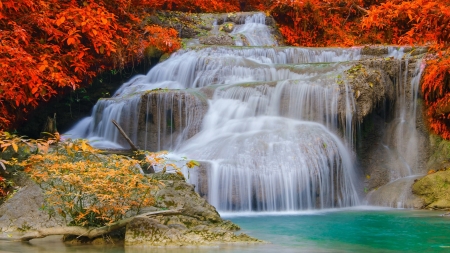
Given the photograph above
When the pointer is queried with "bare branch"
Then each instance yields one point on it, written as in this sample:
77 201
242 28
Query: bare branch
81 231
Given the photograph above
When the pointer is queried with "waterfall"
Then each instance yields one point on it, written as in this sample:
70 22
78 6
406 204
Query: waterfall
273 127
402 142
255 31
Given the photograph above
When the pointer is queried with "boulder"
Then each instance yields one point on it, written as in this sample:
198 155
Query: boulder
434 189
199 223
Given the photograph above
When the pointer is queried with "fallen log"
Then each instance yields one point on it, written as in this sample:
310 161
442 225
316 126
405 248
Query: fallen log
80 231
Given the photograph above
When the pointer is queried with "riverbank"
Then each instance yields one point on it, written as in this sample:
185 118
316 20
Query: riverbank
360 229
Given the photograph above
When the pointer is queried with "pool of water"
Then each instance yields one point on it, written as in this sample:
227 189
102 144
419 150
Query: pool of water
343 230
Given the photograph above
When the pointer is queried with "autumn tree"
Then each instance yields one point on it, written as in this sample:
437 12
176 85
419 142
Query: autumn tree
420 22
48 46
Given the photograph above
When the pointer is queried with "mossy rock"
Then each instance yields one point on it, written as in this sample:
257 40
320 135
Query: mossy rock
440 154
152 52
167 176
228 27
434 189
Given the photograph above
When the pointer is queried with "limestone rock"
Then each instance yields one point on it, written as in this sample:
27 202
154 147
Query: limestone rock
199 223
149 231
228 27
24 211
396 194
219 39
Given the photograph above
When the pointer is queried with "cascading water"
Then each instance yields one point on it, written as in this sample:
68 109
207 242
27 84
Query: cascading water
272 126
402 142
255 31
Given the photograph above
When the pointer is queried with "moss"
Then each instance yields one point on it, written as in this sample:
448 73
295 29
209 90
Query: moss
167 176
440 154
434 189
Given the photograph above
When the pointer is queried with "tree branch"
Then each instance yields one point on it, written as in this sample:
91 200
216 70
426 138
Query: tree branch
81 231
133 147
361 9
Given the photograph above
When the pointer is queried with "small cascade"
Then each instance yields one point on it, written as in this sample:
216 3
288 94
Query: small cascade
154 120
273 127
255 31
403 136
403 144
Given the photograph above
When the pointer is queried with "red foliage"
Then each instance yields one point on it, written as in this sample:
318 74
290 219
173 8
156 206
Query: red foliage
420 22
436 91
410 22
195 5
50 44
316 22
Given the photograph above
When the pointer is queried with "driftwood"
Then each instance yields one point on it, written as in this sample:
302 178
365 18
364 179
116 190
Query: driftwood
133 147
81 231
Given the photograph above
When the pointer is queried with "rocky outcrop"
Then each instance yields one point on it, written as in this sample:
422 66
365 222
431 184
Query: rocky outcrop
434 188
24 210
167 117
199 223
209 28
393 140
396 194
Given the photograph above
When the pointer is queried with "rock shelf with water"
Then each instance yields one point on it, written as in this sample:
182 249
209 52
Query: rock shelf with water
278 128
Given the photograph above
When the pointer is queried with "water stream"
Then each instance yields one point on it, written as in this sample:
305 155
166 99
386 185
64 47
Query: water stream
341 230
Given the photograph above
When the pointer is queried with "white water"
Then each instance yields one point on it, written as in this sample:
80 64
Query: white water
403 137
402 140
275 134
255 31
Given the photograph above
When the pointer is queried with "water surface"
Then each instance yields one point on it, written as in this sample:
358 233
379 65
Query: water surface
339 230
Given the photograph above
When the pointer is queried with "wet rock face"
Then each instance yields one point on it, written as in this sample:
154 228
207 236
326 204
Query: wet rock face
208 28
165 117
391 142
434 188
199 223
396 194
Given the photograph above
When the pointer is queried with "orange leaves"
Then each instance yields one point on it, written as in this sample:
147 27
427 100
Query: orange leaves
436 92
195 5
417 21
316 22
48 45
60 21
165 39
88 188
